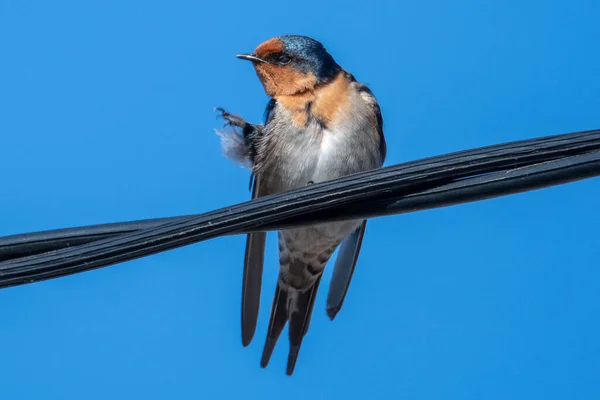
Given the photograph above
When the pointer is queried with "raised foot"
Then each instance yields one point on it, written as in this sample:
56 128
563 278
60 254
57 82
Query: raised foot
230 119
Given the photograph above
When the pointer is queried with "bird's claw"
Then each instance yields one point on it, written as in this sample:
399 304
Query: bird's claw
230 119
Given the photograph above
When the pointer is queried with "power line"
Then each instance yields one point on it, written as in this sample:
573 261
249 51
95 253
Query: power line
418 185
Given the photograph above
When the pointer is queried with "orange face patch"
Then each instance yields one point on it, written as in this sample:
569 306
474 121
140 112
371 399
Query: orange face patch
269 47
280 80
283 80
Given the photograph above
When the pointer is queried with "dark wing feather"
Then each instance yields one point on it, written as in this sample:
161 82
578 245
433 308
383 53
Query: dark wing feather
269 110
255 242
378 121
252 281
350 247
343 270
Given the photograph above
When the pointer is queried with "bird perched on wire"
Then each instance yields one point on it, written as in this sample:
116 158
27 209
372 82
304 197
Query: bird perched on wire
320 124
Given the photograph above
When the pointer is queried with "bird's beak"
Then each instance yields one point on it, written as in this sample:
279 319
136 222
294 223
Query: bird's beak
250 57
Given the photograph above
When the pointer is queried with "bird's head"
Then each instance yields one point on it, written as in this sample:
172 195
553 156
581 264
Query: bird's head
288 65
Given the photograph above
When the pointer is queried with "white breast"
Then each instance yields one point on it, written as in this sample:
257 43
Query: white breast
315 153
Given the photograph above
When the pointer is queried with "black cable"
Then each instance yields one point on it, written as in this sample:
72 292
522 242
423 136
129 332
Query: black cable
532 150
433 182
26 244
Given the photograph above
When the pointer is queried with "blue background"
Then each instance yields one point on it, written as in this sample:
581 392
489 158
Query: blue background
107 115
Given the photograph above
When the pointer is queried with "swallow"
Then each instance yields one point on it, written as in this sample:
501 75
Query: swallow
320 124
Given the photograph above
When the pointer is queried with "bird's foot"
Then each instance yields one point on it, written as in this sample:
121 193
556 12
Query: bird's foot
238 144
230 119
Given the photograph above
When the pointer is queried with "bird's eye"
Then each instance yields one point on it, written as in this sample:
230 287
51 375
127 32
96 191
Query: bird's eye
283 59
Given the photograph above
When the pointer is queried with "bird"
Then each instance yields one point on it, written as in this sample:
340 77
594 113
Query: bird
320 124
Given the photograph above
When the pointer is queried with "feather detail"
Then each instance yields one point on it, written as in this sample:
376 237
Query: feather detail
235 147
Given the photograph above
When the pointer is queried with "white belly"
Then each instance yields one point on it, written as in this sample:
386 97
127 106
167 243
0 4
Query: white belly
317 156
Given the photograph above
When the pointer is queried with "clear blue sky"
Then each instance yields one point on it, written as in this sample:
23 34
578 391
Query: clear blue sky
106 115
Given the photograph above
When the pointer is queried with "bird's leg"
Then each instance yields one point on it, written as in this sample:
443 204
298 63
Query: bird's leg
232 120
250 131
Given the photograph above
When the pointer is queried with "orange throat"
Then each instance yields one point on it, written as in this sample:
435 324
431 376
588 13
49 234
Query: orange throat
321 102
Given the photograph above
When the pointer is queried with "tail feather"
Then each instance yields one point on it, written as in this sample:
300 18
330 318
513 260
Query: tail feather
297 308
300 322
279 317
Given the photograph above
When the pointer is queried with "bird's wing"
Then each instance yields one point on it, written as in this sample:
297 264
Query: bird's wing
343 270
255 242
252 281
350 247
